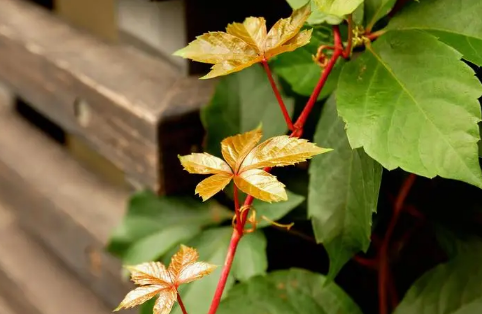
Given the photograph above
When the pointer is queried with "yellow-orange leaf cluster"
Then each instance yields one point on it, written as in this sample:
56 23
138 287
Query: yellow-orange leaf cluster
247 43
244 163
155 279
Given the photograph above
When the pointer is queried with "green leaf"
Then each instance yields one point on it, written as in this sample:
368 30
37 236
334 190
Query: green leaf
451 288
316 17
338 8
456 23
276 211
250 259
375 10
343 192
412 104
240 103
299 69
152 247
288 292
148 216
212 246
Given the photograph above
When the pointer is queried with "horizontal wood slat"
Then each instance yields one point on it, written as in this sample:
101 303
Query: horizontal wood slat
115 97
61 204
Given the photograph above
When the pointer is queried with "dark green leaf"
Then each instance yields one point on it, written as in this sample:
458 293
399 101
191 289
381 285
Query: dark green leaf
250 259
288 292
456 23
299 69
343 192
241 102
451 288
411 103
375 10
276 211
148 216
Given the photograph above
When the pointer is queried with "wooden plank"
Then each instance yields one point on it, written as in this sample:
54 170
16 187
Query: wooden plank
35 282
69 209
115 97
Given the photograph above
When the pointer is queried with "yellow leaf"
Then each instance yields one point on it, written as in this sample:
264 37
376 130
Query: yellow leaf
280 151
155 279
235 148
152 273
285 29
230 66
247 43
261 185
204 163
252 31
139 296
216 47
194 271
184 257
165 301
212 185
294 43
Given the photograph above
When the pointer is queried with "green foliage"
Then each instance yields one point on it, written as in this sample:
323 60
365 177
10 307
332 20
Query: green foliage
456 23
405 99
299 70
287 292
426 125
451 288
343 192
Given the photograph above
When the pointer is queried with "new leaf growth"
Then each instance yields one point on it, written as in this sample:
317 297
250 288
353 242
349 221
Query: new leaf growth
244 163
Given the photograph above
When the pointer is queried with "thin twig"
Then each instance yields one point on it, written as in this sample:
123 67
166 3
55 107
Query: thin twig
282 105
384 267
179 300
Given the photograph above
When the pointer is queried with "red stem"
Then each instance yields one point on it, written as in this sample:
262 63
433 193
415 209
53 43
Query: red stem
236 203
233 244
347 52
297 131
179 300
282 106
384 268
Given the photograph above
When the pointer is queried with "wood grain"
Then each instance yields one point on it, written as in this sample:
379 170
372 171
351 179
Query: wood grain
64 206
116 98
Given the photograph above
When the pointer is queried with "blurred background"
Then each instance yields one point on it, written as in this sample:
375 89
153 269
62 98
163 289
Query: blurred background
92 108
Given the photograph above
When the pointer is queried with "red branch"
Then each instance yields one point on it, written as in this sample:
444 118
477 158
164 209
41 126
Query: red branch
179 300
282 106
297 131
384 283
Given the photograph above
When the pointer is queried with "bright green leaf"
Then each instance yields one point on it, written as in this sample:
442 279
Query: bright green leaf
375 10
250 259
338 8
276 211
152 247
316 17
288 292
343 192
451 288
149 214
241 102
456 23
411 103
299 69
212 246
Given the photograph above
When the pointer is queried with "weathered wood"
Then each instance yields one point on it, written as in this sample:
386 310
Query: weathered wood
68 208
114 97
34 283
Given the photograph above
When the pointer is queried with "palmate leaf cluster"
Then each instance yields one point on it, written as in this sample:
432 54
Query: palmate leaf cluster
407 100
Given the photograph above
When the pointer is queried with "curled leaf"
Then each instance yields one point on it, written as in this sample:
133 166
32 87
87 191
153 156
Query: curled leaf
247 43
155 279
246 160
